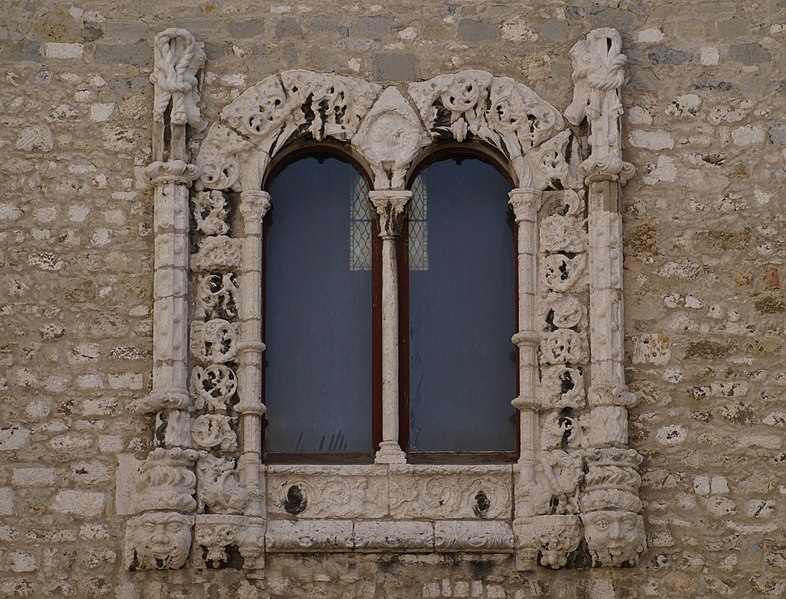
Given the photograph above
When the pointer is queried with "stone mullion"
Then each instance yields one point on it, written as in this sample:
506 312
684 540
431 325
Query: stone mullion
253 207
390 206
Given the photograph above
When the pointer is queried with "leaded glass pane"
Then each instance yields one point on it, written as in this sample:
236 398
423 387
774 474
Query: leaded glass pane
418 226
360 226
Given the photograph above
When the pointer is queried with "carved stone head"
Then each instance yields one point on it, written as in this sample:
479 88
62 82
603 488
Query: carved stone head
614 537
158 541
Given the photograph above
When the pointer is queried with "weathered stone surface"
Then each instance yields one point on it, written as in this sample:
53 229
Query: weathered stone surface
702 234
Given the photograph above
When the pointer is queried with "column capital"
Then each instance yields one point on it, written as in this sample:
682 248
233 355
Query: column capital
525 202
390 206
254 205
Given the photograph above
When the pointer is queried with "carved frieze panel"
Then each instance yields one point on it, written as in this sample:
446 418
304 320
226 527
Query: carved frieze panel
401 535
309 535
462 535
327 491
450 492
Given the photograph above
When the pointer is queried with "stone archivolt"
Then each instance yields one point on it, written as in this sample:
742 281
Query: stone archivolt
574 491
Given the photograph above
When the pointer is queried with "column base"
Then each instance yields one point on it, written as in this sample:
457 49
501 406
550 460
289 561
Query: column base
390 453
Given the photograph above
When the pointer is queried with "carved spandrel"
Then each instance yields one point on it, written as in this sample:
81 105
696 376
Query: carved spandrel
389 138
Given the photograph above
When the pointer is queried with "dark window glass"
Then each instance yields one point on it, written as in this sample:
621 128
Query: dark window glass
318 314
462 312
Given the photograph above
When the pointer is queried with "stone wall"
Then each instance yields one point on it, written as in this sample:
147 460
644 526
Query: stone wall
704 247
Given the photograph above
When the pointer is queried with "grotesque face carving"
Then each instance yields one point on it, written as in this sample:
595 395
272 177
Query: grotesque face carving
614 536
162 540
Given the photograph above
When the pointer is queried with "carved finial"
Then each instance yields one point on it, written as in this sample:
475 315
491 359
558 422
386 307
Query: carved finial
597 76
177 58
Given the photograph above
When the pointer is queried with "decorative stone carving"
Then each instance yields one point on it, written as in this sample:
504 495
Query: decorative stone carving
562 311
219 488
162 399
610 507
213 431
210 212
554 538
560 234
216 296
217 253
390 207
560 272
179 172
323 105
166 481
158 541
214 341
564 473
332 492
561 387
309 535
407 535
224 156
216 533
498 110
548 165
389 138
563 346
442 492
597 77
213 386
176 59
457 535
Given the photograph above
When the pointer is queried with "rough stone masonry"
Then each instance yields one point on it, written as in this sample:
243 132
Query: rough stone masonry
703 241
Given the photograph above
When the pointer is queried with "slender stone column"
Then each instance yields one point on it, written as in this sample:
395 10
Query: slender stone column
525 204
253 206
390 206
169 395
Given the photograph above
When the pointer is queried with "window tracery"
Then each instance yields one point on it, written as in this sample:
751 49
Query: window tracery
576 481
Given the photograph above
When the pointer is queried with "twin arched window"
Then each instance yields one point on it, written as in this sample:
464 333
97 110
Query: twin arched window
322 314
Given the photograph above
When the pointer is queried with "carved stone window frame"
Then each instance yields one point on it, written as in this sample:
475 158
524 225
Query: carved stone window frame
572 497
